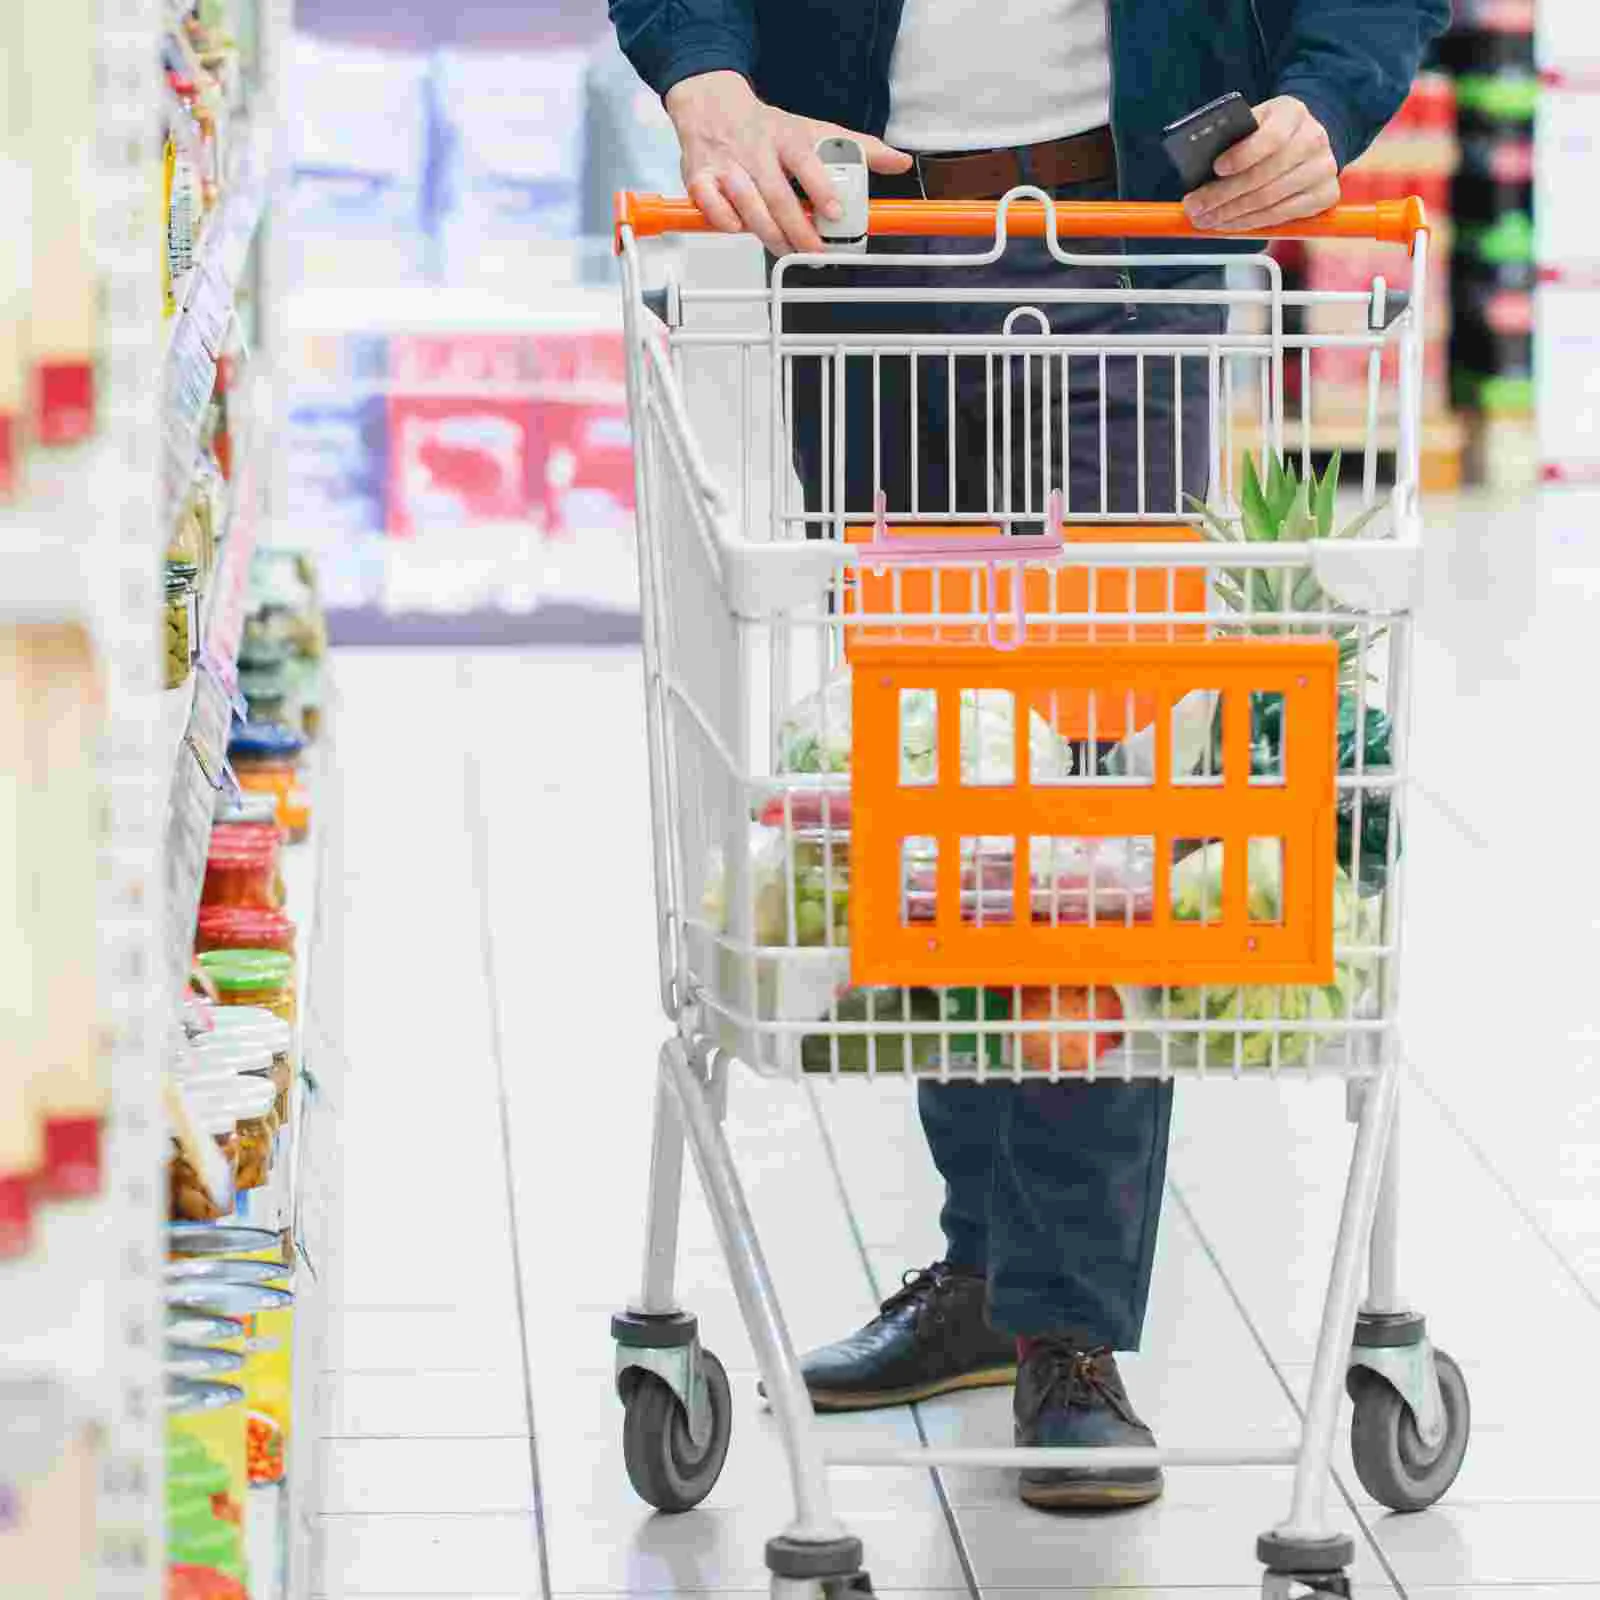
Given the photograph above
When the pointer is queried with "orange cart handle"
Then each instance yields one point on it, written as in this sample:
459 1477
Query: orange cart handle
1388 221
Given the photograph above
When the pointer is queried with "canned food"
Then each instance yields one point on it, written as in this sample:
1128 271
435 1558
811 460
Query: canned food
268 1318
223 1239
188 1326
224 1269
203 1363
207 1485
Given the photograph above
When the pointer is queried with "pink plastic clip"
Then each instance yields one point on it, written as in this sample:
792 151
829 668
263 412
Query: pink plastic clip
993 550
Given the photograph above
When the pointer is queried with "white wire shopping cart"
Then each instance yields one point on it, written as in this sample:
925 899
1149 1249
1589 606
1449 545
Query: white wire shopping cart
938 794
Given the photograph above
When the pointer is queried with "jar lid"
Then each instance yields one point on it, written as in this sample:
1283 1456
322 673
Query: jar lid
262 650
249 805
231 1095
218 1239
228 1299
226 1269
200 1362
254 1023
184 571
245 927
198 1066
238 971
263 839
260 741
187 1326
186 1396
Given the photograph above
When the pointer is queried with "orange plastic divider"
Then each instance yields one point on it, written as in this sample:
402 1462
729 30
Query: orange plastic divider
889 947
926 589
1387 221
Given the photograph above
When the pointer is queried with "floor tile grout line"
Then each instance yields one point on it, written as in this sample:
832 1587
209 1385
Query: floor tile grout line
1259 1340
1448 812
1503 1184
472 795
952 1522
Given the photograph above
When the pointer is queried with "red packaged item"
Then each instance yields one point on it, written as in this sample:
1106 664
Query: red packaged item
242 866
457 463
235 927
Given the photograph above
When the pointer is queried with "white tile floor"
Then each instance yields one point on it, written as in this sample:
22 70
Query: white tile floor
499 969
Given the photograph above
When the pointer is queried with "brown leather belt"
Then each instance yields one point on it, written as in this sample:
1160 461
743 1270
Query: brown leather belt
988 174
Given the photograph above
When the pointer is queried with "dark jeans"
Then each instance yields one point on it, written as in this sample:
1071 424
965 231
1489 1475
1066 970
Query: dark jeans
1052 1190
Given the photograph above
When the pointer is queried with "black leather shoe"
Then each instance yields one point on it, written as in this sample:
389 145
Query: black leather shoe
928 1338
1070 1396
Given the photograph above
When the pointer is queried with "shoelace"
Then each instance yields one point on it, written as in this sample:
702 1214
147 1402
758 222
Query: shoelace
1080 1378
914 1285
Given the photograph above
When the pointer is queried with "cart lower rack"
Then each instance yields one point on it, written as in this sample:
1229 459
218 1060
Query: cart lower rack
1009 723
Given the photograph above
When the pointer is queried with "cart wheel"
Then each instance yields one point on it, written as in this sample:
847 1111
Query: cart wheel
1395 1467
665 1467
1305 1586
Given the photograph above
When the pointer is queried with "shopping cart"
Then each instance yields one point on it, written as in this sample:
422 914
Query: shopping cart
1061 789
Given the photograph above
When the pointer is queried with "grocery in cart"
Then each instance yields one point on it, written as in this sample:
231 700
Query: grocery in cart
1009 777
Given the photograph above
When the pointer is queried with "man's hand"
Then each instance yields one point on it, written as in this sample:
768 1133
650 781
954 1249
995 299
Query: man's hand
739 155
1283 171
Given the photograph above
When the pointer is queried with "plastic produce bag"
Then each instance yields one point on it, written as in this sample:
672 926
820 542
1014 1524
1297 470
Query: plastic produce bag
815 736
1196 885
1266 760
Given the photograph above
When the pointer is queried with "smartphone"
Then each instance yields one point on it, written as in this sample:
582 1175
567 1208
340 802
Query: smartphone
1194 142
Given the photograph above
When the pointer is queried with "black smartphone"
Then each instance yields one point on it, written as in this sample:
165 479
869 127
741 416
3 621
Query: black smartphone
1194 142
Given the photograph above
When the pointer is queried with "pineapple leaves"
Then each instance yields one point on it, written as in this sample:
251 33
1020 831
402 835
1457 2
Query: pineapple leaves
1259 522
1322 496
1283 509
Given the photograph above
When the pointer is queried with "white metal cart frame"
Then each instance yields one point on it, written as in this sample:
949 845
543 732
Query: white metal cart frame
748 606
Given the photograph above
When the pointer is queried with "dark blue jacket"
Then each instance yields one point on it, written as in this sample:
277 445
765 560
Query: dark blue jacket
1350 61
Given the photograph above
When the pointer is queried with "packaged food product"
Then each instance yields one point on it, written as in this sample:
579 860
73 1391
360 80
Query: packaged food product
67 1091
246 806
202 1363
266 758
256 1025
191 1327
249 1101
225 1239
178 637
242 866
266 690
49 1462
262 978
229 1269
191 1197
268 1317
208 1481
213 1056
224 927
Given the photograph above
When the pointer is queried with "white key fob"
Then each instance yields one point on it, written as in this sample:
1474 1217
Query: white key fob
846 162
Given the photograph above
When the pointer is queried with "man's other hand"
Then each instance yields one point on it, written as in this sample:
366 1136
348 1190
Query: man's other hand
1283 171
739 155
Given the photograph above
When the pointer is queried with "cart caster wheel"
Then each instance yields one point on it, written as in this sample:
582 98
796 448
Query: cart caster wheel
665 1466
1395 1467
856 1587
1305 1586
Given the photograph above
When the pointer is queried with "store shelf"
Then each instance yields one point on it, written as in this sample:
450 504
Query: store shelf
196 337
281 1518
197 760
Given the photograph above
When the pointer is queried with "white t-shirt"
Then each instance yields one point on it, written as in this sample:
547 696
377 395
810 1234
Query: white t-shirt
982 74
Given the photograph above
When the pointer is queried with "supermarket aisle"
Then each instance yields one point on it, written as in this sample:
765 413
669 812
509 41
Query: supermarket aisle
500 974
